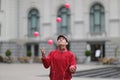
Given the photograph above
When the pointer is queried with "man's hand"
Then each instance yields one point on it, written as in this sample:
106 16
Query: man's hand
42 51
72 69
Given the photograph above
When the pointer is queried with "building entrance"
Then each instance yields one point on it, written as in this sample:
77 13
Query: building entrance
98 50
34 48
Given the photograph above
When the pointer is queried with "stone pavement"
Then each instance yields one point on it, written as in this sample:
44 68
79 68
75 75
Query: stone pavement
34 71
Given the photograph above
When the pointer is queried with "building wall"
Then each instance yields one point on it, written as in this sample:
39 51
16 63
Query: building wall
14 23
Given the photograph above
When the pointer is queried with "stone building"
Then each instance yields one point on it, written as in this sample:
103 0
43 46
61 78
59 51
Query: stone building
87 23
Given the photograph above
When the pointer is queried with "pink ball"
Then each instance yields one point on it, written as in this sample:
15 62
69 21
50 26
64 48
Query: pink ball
50 42
67 5
58 19
36 33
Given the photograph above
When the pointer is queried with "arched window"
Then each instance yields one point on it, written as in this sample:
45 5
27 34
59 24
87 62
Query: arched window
64 26
97 18
33 21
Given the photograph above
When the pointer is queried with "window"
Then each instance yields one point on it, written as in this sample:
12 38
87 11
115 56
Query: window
33 21
64 26
97 18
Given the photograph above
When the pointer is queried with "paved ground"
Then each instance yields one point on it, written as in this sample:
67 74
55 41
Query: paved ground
34 71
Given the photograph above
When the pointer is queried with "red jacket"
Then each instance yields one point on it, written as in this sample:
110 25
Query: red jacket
59 63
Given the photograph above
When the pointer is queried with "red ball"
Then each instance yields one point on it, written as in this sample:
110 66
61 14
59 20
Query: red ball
67 5
58 19
50 42
36 34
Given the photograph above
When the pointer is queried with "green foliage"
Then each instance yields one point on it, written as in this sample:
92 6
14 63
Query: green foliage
87 53
29 53
8 53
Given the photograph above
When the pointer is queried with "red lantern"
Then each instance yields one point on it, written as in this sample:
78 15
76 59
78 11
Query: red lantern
50 42
36 34
67 5
58 19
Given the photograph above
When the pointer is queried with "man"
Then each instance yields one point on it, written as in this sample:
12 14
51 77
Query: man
61 61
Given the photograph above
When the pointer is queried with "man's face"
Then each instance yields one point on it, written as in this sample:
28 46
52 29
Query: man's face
61 41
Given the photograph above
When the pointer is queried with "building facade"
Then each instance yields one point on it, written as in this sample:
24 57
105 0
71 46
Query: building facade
87 23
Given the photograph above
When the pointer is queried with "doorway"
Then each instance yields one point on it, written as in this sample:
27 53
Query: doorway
34 48
97 46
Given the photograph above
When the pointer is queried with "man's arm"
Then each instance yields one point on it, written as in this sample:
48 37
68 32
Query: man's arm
73 67
45 60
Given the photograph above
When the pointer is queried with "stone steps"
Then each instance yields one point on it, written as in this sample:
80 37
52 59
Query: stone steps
106 72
